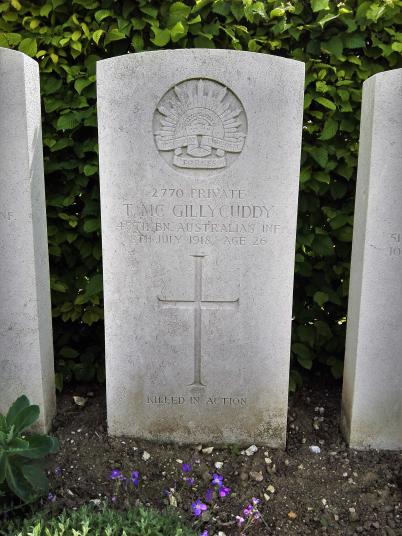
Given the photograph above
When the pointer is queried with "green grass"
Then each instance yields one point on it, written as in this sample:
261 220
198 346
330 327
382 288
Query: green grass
90 522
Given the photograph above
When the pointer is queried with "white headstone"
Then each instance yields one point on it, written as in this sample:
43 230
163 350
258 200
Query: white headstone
199 160
372 391
26 348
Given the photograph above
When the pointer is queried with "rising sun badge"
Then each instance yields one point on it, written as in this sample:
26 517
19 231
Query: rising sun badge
200 124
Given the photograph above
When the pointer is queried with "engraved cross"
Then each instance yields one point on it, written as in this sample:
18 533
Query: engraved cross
198 305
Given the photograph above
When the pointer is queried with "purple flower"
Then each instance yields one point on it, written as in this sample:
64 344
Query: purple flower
189 481
223 491
116 474
217 480
251 512
198 507
205 533
209 495
186 468
135 478
240 520
248 511
58 471
51 497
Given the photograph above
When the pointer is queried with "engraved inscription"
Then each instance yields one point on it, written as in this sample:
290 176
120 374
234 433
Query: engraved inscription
198 123
392 245
395 249
200 193
209 401
185 215
198 304
6 215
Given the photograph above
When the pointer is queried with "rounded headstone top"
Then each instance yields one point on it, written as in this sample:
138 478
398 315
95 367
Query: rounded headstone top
11 54
206 53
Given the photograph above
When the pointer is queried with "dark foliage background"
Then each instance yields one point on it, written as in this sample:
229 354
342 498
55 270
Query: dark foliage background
342 44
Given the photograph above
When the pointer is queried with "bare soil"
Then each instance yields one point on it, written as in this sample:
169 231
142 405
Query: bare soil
335 492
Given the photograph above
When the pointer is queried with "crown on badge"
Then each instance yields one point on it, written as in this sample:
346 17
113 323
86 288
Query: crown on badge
200 122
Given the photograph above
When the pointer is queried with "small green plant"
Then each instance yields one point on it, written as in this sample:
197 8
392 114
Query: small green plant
21 457
104 522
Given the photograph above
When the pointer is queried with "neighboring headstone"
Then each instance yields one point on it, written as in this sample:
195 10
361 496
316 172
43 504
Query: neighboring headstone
372 391
26 350
199 162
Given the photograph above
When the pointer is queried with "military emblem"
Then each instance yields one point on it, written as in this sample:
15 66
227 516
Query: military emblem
200 124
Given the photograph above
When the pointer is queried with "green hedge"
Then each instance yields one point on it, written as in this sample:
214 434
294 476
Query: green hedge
342 43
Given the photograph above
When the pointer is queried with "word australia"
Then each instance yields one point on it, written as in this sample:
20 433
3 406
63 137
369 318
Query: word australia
197 211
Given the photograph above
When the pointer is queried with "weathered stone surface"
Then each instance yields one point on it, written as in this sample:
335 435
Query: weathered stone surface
199 161
372 391
26 350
